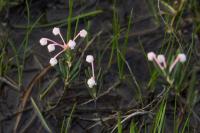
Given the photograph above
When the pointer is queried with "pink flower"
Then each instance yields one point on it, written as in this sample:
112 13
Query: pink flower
56 31
83 33
51 47
64 46
72 44
43 41
151 56
53 61
161 62
180 58
90 59
91 81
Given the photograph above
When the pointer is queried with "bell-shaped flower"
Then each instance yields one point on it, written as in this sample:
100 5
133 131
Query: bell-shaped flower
43 41
83 33
89 58
91 82
51 47
71 44
56 31
53 61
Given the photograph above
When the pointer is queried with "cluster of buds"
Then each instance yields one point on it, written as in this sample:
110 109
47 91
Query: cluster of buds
64 46
161 62
91 81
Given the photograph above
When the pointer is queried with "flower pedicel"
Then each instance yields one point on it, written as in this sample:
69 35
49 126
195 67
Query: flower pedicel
161 62
52 44
91 81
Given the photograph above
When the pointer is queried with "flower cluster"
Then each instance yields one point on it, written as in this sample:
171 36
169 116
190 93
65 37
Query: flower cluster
91 81
161 62
64 46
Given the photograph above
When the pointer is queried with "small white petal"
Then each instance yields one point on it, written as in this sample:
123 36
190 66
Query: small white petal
161 58
51 47
91 82
151 56
56 31
182 57
53 61
83 33
43 41
89 58
71 44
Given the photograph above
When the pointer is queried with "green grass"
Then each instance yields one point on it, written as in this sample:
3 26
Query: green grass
4 66
116 44
6 3
63 22
133 127
41 117
2 4
69 20
67 122
158 125
119 124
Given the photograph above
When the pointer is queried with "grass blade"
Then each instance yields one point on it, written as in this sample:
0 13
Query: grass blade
119 124
70 118
133 128
43 121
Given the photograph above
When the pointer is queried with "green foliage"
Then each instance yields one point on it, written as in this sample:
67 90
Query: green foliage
133 127
69 20
67 122
119 124
41 117
186 124
21 52
192 92
6 3
2 4
116 46
158 125
68 72
4 62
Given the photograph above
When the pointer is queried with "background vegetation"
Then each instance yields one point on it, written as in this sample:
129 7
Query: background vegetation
132 94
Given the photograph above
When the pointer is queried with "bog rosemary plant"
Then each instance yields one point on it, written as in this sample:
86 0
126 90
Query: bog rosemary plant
165 67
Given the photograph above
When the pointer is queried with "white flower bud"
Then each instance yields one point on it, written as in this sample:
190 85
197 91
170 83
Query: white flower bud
151 56
83 33
182 57
161 58
71 44
91 82
56 31
53 61
89 58
51 47
43 41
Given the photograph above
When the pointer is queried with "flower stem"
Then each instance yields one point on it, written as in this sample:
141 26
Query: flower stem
173 64
93 70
